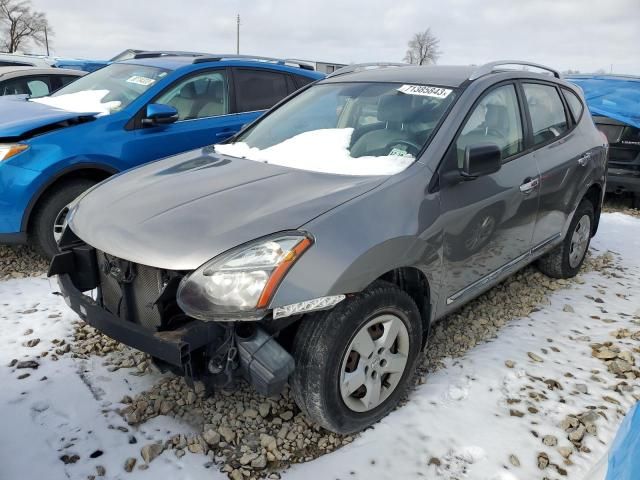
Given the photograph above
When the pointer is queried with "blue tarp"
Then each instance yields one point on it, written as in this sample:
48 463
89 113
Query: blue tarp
624 457
613 96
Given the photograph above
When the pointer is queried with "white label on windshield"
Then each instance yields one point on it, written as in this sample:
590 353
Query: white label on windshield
138 80
425 91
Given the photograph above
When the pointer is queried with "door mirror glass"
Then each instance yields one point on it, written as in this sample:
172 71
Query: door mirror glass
482 159
159 114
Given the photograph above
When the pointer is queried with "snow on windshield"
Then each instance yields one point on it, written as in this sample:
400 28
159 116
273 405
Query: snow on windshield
87 101
324 151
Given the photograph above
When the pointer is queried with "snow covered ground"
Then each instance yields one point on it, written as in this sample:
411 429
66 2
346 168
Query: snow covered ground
498 413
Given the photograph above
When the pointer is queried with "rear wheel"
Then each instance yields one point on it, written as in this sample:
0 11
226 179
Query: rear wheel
354 363
635 201
566 259
50 214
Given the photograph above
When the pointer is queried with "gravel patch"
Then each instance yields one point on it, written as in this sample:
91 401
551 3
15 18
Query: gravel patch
616 203
21 261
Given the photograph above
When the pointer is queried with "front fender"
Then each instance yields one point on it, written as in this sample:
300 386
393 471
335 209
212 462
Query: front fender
395 225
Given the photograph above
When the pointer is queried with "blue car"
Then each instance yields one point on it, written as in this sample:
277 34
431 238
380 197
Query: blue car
128 113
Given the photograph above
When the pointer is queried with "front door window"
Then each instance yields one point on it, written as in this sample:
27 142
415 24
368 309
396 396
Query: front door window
200 96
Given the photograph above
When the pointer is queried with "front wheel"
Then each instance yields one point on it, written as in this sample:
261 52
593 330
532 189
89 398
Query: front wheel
49 218
565 260
354 363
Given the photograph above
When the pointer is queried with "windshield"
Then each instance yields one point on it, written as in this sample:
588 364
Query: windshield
107 90
347 128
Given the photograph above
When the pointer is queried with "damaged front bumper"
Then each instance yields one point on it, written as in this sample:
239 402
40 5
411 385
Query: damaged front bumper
206 350
173 346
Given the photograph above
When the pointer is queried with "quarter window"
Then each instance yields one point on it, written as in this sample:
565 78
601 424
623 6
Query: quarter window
575 105
199 96
259 89
496 119
548 119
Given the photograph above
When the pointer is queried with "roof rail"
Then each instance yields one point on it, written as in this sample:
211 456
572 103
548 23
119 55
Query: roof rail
166 53
358 67
491 67
279 61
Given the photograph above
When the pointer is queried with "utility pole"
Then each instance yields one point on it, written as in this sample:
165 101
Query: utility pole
46 40
238 36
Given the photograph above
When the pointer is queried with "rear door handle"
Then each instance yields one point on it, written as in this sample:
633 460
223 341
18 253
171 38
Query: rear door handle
529 185
584 159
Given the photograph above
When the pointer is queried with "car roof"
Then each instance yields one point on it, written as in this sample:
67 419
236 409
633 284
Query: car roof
445 75
440 75
174 62
24 71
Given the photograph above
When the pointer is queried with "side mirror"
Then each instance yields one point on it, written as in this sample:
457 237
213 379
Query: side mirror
159 114
479 160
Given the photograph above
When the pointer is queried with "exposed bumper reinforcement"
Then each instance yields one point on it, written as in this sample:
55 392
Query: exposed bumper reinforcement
174 347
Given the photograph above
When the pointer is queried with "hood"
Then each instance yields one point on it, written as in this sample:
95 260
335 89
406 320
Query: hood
21 118
180 212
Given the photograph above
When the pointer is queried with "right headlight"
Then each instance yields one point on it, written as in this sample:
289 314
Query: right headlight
239 284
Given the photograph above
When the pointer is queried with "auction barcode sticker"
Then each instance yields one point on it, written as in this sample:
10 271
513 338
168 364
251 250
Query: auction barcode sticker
138 80
425 91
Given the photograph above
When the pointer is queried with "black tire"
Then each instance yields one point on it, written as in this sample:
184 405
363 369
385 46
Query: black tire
556 263
635 201
321 344
48 209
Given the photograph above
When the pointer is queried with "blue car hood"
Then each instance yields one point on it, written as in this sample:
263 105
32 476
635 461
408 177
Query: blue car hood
20 117
616 97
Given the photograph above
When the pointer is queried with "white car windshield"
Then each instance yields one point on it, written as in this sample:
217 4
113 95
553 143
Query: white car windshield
347 128
105 91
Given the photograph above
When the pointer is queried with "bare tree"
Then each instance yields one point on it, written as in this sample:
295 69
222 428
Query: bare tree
19 25
424 48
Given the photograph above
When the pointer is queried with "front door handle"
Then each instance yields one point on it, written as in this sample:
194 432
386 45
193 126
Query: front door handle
584 159
225 133
529 185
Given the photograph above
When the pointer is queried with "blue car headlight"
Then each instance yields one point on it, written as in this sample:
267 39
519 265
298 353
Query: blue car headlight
8 150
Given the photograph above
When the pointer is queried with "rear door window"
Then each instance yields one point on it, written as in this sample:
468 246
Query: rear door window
548 119
302 81
259 89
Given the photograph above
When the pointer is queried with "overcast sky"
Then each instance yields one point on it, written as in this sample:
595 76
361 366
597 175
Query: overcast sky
579 34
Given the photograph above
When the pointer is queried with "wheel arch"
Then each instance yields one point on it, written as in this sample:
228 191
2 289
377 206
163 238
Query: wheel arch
415 283
595 195
93 171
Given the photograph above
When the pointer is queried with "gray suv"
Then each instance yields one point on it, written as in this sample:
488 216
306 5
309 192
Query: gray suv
319 245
